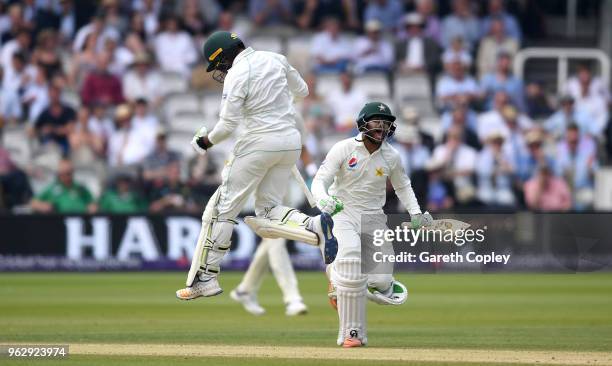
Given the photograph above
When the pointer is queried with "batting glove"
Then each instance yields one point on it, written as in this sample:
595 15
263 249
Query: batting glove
421 220
331 205
194 141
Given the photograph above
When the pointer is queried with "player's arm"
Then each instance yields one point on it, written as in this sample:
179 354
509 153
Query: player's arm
405 193
324 178
232 101
297 85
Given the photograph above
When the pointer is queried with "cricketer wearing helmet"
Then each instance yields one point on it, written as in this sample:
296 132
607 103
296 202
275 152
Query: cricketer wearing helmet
259 89
354 175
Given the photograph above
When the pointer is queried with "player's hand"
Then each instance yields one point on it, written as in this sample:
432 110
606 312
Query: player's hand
421 220
196 138
331 205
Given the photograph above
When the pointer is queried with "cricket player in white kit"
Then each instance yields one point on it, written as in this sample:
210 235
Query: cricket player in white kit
350 183
258 93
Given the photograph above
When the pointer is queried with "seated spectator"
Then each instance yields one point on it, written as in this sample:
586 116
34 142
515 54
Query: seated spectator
460 23
15 188
387 12
536 103
501 117
426 9
497 11
97 27
455 87
416 52
591 95
577 163
439 192
372 52
64 195
270 12
127 145
545 192
457 51
567 114
122 197
19 44
412 119
502 79
414 156
141 82
204 178
459 163
47 52
174 49
13 81
145 122
312 13
495 170
495 42
156 165
36 95
466 120
67 21
100 86
55 123
172 195
84 61
346 103
318 117
84 141
192 18
536 156
331 52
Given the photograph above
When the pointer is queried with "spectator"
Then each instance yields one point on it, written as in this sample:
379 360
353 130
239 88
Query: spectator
460 23
156 165
495 170
455 86
536 155
497 11
417 52
141 82
590 95
545 192
64 195
414 156
36 95
439 195
502 79
317 116
314 12
465 119
84 61
87 141
150 10
387 12
67 21
270 12
207 12
577 163
502 114
346 103
172 195
331 51
192 19
536 103
20 44
122 197
13 82
127 145
100 85
47 53
459 163
495 42
457 51
372 52
145 122
174 49
426 9
204 178
15 189
99 29
15 22
568 114
56 122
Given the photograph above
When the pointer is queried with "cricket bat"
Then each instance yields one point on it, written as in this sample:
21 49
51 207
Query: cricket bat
303 186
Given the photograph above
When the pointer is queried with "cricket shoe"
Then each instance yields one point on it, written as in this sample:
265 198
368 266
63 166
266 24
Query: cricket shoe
296 308
352 340
200 288
323 225
248 301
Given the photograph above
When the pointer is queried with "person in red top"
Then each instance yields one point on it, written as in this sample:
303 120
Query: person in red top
100 85
545 192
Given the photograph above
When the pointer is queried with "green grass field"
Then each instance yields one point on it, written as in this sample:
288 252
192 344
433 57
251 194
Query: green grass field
555 312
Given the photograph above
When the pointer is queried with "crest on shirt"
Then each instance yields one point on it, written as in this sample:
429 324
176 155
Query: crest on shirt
380 172
352 162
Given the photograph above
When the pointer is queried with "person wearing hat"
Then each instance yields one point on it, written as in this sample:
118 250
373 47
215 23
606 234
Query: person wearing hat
127 145
354 174
494 172
259 90
142 82
546 192
416 52
567 113
372 52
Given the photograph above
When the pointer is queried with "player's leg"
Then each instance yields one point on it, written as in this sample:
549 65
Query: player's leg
246 292
349 283
240 178
282 269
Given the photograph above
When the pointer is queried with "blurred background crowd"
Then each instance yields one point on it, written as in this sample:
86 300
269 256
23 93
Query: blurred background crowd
99 99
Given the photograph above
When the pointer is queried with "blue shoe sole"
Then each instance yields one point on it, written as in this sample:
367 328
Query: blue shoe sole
331 244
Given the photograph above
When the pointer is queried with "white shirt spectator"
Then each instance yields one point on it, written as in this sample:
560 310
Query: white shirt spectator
325 47
86 30
6 54
448 86
462 159
381 57
492 121
175 51
596 88
39 95
128 146
101 127
147 87
346 105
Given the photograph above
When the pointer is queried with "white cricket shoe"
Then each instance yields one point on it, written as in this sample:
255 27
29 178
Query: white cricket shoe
296 308
200 289
249 303
323 225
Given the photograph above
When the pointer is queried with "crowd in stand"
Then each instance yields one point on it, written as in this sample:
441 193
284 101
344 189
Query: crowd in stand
506 143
